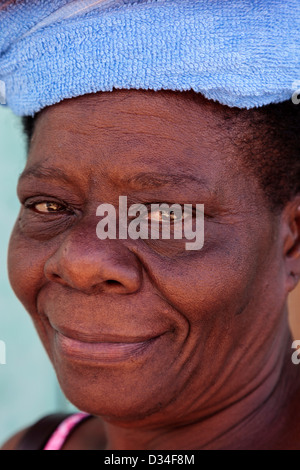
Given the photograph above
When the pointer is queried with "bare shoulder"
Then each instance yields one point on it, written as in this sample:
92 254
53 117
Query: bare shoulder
13 441
90 435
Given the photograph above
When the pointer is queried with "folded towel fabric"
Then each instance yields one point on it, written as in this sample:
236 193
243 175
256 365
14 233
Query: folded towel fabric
242 53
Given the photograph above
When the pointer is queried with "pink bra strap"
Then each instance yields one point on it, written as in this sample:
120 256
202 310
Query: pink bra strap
60 435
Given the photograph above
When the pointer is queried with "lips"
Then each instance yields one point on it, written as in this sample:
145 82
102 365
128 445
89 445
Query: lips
107 348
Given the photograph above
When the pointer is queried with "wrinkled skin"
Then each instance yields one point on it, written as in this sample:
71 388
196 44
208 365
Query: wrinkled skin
219 373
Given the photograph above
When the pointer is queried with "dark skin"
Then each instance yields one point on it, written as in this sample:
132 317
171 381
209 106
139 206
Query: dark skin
219 374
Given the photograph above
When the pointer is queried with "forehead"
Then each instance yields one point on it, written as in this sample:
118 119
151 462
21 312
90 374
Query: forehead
135 129
178 117
172 106
126 135
169 145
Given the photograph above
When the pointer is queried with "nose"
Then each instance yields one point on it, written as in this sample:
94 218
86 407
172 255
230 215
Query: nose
87 264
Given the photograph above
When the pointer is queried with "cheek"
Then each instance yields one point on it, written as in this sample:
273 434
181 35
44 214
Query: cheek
218 283
211 288
205 291
26 268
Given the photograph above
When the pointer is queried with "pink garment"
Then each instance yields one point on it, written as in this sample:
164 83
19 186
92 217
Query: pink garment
60 435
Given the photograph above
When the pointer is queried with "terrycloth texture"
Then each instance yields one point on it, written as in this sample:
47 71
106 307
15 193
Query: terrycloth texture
242 53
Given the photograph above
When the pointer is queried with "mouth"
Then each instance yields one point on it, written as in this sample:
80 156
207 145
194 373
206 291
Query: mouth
108 349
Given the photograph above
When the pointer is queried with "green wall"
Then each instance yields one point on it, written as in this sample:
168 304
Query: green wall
28 386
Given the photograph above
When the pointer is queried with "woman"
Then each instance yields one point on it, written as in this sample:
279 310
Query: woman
162 347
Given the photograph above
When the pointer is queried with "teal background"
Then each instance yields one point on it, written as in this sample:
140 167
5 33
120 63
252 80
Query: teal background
28 385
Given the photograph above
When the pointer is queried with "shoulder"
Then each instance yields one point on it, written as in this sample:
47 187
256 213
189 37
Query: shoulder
89 435
34 437
13 441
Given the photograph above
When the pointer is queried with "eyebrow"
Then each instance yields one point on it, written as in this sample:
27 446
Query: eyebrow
42 172
142 180
147 180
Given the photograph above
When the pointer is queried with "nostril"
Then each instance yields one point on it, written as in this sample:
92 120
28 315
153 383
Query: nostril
56 278
111 282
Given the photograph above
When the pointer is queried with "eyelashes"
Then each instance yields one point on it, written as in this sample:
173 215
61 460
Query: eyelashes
44 218
47 207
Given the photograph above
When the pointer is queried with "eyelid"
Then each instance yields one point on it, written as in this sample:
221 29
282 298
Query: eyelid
27 193
184 215
28 204
185 210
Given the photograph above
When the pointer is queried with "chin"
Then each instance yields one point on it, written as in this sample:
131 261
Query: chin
117 398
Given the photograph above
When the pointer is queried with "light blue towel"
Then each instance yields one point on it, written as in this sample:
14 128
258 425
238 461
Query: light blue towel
242 53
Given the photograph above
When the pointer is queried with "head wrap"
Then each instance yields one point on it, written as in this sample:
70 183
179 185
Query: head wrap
242 53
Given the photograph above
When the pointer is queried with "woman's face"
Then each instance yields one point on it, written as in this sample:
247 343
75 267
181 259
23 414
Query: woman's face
183 320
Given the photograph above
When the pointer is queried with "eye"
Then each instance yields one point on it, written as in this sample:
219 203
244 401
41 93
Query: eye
166 215
47 207
172 214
